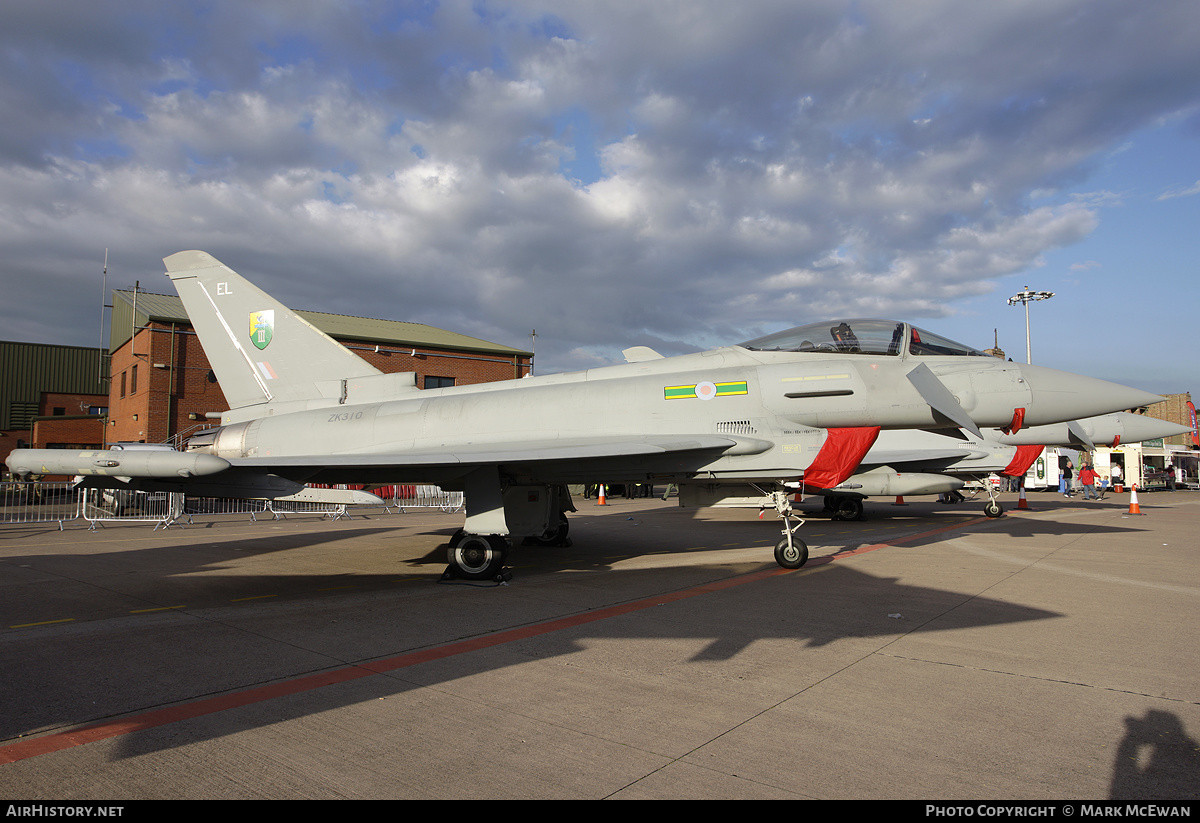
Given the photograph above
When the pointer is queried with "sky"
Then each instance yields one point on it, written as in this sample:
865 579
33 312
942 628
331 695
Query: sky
679 175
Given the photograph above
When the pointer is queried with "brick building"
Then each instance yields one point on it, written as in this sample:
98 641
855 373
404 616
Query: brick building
1174 409
163 389
51 397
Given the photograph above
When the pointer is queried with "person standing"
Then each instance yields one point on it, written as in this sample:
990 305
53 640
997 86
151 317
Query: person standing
1065 482
1087 478
1115 475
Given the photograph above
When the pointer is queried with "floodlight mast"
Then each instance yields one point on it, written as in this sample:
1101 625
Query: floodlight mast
1026 297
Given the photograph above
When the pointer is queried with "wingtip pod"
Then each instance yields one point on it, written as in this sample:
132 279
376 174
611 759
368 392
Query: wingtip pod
1060 396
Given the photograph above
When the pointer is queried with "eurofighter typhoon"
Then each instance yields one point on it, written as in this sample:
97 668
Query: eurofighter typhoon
926 462
800 407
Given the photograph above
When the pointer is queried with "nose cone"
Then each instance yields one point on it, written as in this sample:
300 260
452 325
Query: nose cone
1059 396
1134 428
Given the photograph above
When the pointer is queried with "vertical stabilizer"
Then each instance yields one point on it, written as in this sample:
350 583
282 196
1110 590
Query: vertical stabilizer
260 350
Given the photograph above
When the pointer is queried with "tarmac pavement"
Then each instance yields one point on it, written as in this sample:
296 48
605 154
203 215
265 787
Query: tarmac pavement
926 652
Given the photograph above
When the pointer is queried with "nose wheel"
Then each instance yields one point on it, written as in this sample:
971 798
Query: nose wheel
791 552
992 508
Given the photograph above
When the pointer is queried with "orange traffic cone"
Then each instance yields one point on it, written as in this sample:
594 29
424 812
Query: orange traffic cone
899 501
1133 504
601 501
1022 503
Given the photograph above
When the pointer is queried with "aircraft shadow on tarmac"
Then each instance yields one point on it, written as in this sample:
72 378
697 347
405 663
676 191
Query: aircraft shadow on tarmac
86 672
166 661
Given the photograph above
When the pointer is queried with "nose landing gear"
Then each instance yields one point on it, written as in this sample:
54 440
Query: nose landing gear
992 508
791 552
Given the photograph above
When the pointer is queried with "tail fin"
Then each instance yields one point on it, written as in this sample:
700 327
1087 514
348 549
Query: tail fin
260 350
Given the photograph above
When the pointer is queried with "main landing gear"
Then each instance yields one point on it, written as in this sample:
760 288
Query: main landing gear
844 507
555 533
498 510
477 557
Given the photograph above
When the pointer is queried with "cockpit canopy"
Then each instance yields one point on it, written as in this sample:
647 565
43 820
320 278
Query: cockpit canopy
887 337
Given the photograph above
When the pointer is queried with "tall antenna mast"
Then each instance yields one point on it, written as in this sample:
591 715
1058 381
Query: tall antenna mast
103 292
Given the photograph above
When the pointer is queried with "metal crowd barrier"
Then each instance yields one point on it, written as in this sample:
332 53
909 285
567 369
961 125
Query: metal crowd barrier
98 506
61 502
277 509
36 501
421 497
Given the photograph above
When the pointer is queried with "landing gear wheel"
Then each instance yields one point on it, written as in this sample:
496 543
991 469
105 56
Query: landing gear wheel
475 557
555 534
993 509
849 508
791 556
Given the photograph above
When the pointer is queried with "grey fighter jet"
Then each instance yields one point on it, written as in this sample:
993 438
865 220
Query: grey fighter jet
924 462
801 406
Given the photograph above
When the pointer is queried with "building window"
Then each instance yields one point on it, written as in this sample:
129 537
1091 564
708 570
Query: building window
59 411
133 380
122 384
100 410
432 382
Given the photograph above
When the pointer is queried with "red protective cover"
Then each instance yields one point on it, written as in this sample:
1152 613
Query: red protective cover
1022 460
840 455
1018 420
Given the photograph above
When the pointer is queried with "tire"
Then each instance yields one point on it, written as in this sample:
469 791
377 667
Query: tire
992 509
792 557
849 508
475 557
555 534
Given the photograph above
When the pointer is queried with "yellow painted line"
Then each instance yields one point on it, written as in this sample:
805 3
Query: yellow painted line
815 377
159 609
43 623
257 597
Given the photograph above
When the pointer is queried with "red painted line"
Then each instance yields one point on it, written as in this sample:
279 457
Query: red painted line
161 717
37 746
509 635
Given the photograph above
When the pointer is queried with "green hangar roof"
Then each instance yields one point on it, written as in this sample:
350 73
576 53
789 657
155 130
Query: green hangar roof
165 308
28 369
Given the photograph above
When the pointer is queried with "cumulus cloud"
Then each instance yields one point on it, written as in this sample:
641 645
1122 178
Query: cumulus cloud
668 174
